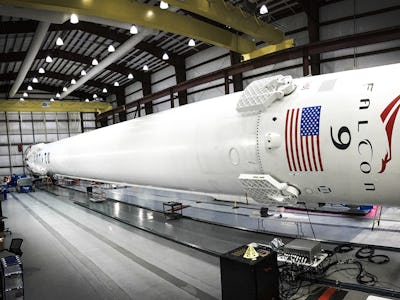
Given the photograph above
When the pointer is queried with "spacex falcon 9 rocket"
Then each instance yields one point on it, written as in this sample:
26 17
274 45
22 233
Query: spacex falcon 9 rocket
331 138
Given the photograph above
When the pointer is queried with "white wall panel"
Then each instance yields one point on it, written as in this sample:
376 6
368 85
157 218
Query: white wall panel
4 161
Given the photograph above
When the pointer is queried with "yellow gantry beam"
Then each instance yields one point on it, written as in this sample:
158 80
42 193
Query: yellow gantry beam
133 12
230 15
56 106
289 43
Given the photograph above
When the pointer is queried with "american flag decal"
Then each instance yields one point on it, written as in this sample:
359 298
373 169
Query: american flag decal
302 139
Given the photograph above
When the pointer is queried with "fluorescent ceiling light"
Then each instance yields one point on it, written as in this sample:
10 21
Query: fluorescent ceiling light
95 62
41 71
133 30
74 19
165 56
94 96
192 43
111 48
145 68
83 73
30 88
73 81
116 83
164 5
65 89
105 90
35 80
130 76
52 99
86 100
49 59
25 94
59 42
58 95
263 9
21 99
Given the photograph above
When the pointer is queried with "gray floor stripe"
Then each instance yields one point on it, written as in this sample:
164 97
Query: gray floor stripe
192 290
110 289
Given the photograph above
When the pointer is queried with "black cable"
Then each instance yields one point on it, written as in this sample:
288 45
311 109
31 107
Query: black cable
365 252
343 248
379 259
309 220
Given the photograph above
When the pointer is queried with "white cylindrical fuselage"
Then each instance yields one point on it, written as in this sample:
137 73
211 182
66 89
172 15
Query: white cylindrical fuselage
335 138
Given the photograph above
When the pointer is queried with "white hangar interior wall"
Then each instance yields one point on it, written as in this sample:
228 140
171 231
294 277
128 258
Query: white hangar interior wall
20 130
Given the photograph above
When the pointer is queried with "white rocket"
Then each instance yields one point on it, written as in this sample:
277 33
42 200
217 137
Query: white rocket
332 138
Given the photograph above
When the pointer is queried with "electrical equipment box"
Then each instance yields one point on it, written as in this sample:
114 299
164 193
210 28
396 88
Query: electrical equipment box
303 248
249 279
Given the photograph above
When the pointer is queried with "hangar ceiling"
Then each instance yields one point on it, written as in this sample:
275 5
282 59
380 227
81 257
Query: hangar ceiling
88 40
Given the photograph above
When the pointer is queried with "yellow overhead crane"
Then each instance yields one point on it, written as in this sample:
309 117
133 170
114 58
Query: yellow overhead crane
50 106
134 12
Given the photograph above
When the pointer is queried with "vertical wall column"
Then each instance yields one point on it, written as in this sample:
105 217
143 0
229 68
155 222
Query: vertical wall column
312 11
180 73
120 96
146 87
236 58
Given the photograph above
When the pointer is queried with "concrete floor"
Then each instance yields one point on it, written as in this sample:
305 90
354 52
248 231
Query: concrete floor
70 253
73 253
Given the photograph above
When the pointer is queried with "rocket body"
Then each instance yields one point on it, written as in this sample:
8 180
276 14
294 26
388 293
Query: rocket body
334 138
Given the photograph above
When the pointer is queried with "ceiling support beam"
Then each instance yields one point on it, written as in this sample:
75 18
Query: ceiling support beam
355 40
56 106
135 12
180 75
40 34
146 88
18 56
120 52
227 14
237 78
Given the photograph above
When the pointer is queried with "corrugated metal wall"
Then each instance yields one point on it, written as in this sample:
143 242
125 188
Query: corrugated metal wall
20 130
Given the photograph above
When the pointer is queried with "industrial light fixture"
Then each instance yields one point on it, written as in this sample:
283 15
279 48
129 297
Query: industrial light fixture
52 99
41 71
130 76
95 62
263 9
94 96
30 88
49 59
58 95
111 48
25 94
73 81
164 5
133 30
74 19
145 68
105 90
165 56
116 83
35 80
86 100
65 89
21 99
59 42
192 43
83 73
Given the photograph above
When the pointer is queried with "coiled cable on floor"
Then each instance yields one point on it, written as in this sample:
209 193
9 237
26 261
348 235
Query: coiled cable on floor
343 248
368 252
